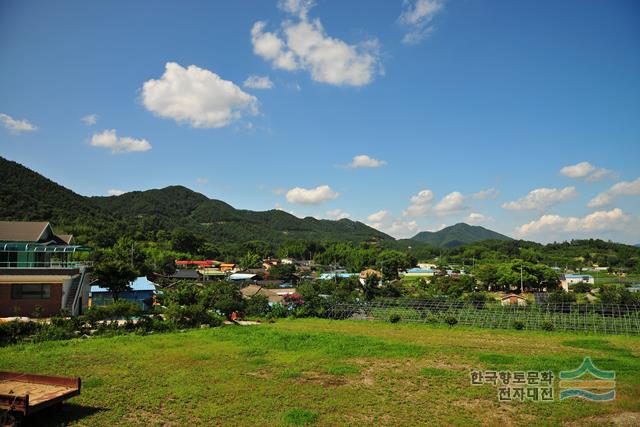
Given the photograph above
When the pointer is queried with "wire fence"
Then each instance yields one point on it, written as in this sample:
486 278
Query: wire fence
593 318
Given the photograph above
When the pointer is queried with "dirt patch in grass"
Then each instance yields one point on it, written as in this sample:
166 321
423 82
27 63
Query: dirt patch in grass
623 419
322 379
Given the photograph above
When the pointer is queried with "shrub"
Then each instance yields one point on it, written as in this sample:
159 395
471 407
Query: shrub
518 324
118 310
278 311
547 325
581 288
14 331
394 318
451 321
257 305
190 316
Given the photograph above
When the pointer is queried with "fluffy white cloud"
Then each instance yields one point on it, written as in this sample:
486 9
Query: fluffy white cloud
614 219
378 216
338 214
477 218
398 228
622 188
16 126
487 194
416 17
420 203
196 96
311 196
302 44
452 202
542 198
202 181
364 161
90 119
109 139
115 192
586 171
258 82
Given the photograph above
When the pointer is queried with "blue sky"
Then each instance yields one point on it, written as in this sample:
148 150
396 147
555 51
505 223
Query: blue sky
465 110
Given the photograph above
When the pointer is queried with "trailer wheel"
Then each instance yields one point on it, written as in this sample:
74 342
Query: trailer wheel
13 419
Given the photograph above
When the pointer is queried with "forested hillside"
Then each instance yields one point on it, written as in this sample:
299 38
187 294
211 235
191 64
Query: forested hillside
27 195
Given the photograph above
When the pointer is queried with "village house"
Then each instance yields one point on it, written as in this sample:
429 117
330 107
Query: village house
567 280
39 271
275 296
141 292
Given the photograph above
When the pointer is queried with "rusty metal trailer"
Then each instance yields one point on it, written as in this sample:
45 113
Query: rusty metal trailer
25 394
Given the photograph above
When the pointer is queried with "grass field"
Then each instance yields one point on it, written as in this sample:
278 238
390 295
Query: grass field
325 372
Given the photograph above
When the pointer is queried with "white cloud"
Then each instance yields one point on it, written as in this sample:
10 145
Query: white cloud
397 228
477 218
16 126
279 191
109 139
258 82
420 203
437 228
311 196
115 192
90 119
542 198
586 171
622 188
302 44
378 216
338 214
487 194
202 181
364 161
416 17
452 202
614 219
196 96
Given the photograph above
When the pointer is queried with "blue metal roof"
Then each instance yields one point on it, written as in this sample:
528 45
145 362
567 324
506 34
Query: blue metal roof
331 276
578 276
140 284
419 270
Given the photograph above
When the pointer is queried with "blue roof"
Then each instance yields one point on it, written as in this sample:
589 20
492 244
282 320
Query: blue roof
577 276
330 276
140 284
419 270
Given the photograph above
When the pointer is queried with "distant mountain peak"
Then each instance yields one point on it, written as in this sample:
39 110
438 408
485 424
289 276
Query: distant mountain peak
457 235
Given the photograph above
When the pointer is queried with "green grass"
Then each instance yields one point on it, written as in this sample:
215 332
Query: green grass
322 372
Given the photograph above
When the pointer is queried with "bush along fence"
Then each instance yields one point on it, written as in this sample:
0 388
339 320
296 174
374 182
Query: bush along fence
593 318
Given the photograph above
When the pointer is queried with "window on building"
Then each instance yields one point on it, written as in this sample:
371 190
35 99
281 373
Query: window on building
31 291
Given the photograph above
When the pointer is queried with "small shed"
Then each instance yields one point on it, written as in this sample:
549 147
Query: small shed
513 299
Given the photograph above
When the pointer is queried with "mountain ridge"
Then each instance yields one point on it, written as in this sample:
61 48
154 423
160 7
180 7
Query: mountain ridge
28 195
457 235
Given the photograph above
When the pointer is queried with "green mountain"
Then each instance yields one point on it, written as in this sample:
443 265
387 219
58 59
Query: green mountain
27 195
457 235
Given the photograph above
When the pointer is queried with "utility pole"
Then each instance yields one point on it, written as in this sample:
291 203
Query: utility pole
521 284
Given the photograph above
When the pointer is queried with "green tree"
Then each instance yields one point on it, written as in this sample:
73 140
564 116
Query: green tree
184 240
284 272
250 260
115 276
